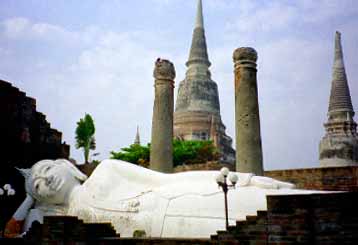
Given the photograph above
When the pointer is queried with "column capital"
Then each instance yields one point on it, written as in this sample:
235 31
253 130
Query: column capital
164 69
245 54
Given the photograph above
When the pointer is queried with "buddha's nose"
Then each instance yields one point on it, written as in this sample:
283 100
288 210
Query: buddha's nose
49 180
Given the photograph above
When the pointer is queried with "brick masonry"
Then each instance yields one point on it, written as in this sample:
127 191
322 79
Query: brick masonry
330 178
25 138
299 219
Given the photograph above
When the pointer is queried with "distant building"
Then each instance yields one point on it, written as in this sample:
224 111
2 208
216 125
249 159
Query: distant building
137 137
339 147
197 112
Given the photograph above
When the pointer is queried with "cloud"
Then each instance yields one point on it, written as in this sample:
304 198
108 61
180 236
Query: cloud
14 27
20 28
324 10
111 80
110 77
271 16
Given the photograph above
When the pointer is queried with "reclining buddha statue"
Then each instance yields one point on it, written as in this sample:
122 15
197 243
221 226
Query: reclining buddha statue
186 204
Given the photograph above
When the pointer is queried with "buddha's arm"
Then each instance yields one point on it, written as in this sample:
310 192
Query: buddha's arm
130 172
269 183
13 227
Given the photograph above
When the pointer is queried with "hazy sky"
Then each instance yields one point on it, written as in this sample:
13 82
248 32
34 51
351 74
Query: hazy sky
97 57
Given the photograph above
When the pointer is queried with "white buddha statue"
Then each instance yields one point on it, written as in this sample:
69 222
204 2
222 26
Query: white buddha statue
187 204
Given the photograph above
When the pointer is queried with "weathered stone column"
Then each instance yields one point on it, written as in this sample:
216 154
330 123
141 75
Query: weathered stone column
247 118
161 150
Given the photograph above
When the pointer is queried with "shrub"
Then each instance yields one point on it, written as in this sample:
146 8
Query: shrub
184 152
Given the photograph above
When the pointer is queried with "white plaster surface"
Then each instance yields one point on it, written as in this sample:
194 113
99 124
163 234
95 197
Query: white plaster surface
188 204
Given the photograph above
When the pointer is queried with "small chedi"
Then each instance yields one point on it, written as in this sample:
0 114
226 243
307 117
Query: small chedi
137 137
339 147
197 110
187 204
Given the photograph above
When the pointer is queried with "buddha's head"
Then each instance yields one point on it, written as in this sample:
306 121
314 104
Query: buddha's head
51 181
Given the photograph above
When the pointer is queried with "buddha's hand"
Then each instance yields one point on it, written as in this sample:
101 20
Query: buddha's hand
14 226
24 208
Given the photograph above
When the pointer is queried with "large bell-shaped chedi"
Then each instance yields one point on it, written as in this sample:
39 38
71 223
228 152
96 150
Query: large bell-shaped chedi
197 111
339 147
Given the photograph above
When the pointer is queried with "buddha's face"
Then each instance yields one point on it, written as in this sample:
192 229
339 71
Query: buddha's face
52 181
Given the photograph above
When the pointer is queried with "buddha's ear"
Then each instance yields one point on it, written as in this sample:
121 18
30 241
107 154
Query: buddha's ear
75 171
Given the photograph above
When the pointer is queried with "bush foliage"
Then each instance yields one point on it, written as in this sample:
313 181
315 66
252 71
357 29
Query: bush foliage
184 152
137 154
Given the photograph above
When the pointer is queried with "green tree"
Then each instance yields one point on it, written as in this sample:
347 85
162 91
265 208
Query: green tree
193 151
184 152
135 153
85 135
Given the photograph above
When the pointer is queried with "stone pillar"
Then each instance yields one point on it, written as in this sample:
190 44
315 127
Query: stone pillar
247 118
161 150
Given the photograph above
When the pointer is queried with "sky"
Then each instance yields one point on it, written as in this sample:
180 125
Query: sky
97 57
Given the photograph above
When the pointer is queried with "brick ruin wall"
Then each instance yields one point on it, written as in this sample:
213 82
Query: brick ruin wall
330 178
25 138
299 219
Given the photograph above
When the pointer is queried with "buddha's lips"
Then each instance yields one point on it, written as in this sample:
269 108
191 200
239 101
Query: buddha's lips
61 182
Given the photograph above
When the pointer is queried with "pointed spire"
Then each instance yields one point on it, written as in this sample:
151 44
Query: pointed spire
137 138
198 50
340 99
339 146
199 16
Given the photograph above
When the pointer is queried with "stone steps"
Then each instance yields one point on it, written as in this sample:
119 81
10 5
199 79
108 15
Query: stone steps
298 219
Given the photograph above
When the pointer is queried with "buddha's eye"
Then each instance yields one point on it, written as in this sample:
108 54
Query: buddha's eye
47 168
